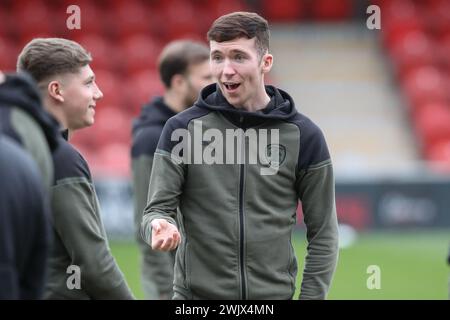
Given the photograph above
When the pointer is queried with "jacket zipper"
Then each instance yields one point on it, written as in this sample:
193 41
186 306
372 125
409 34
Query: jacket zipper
241 219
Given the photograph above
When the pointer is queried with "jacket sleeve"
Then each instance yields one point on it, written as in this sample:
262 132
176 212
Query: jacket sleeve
78 223
166 183
141 170
315 187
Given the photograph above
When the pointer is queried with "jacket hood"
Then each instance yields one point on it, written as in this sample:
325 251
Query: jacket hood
281 105
153 113
20 91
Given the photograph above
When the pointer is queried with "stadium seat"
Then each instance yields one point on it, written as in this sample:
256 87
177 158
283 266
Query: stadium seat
439 156
432 122
413 49
146 84
443 50
84 139
283 11
425 85
130 18
112 125
34 19
113 161
400 17
438 16
331 10
8 57
220 7
103 52
138 52
180 19
112 86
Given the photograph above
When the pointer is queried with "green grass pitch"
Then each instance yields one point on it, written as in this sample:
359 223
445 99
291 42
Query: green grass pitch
412 265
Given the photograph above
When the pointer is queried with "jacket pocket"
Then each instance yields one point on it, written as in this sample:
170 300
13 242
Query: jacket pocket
269 262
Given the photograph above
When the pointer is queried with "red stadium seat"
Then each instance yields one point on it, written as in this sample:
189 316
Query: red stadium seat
180 20
112 125
113 161
398 18
412 50
145 85
219 7
6 23
432 124
139 52
8 57
113 90
130 18
425 85
104 54
331 10
439 156
283 11
34 18
84 139
443 51
438 16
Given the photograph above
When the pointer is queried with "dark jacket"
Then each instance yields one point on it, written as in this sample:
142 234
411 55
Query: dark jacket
238 201
24 224
156 266
23 119
79 236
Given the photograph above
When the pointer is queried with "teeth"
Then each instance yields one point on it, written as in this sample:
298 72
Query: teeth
230 85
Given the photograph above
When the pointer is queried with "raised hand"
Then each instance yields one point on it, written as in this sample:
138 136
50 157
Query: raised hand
165 236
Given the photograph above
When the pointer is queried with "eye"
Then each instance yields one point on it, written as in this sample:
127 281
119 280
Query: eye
216 58
239 58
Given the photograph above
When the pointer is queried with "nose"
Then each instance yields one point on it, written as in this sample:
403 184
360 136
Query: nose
98 94
228 69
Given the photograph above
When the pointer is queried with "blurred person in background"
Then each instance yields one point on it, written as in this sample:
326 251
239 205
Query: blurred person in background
235 223
184 70
67 84
24 223
24 120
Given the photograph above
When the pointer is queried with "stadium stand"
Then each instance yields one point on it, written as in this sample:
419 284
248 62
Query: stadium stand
125 38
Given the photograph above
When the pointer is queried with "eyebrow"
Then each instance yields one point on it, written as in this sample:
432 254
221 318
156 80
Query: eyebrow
232 51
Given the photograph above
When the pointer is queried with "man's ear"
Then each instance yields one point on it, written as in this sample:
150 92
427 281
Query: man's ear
267 62
54 90
177 81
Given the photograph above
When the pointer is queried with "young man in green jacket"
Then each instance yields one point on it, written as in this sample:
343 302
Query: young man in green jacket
184 71
235 165
81 265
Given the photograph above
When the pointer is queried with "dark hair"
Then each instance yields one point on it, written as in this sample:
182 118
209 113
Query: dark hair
43 58
177 56
241 25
